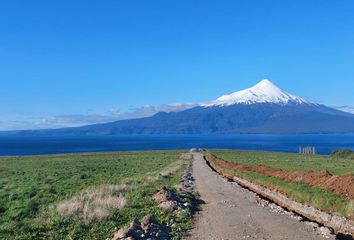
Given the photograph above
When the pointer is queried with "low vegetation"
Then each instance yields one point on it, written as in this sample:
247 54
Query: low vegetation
343 153
84 196
289 161
94 203
297 190
303 193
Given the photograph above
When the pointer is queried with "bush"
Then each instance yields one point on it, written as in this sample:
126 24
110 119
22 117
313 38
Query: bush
343 153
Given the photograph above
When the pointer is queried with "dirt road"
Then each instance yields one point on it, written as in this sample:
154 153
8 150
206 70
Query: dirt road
231 212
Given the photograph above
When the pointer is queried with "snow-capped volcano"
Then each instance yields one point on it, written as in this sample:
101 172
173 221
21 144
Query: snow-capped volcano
261 109
263 92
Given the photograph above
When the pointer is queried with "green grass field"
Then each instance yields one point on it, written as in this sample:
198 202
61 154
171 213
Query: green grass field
82 196
303 193
288 161
319 198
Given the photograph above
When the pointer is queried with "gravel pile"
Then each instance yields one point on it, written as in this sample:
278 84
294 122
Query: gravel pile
187 183
323 231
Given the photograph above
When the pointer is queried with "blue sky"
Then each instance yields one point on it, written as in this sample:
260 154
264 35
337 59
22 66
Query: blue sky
66 63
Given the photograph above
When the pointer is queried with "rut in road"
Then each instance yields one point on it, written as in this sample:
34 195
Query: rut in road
231 212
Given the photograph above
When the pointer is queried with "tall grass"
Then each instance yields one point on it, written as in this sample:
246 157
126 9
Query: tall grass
94 203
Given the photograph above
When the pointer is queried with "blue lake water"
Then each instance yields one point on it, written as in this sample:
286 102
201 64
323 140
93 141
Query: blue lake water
14 145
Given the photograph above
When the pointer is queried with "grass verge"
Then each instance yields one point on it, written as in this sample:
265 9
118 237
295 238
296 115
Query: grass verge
305 194
300 192
80 196
289 161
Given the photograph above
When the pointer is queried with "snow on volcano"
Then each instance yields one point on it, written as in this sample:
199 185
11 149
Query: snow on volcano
263 92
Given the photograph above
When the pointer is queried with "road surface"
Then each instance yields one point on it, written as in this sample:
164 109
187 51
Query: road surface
231 212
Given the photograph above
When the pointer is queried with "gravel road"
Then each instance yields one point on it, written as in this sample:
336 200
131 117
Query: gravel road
231 212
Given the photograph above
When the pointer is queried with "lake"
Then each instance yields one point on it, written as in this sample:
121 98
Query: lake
28 145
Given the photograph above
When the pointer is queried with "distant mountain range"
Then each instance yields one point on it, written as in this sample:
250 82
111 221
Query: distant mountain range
261 109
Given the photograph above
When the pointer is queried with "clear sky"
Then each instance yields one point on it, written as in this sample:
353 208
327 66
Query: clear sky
68 63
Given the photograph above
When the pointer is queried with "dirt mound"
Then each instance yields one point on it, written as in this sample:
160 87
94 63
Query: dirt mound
342 184
164 195
148 228
167 200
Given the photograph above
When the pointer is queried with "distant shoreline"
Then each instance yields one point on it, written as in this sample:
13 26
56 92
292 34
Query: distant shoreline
42 145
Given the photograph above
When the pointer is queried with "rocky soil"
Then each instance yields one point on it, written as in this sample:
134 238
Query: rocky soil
148 228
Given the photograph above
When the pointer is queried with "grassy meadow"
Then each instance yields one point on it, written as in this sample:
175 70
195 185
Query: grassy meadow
83 196
289 161
306 194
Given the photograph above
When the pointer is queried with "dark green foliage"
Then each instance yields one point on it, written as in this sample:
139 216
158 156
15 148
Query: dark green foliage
343 153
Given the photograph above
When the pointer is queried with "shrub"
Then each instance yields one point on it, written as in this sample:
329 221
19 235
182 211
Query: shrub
343 153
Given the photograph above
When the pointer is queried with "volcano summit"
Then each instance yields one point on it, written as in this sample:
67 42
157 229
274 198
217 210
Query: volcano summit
262 109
